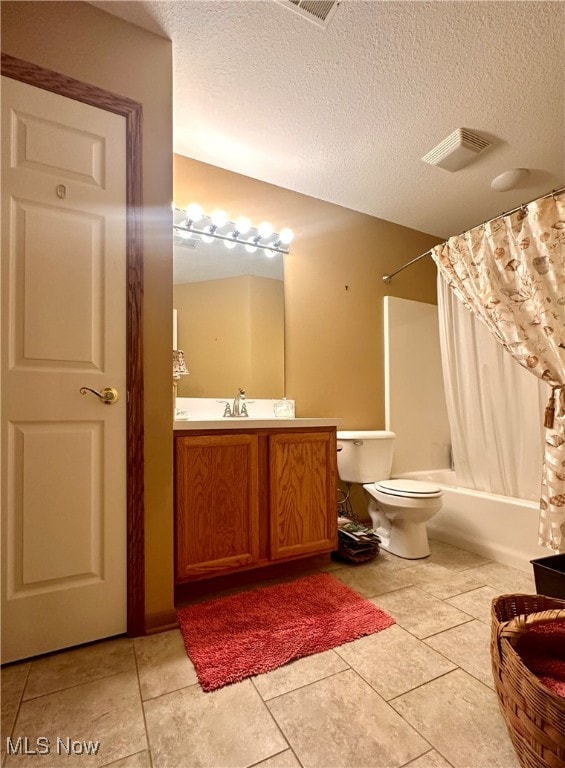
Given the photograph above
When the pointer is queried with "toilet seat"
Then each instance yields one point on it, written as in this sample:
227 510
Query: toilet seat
409 489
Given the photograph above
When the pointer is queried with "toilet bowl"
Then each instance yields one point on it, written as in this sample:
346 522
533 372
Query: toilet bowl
399 508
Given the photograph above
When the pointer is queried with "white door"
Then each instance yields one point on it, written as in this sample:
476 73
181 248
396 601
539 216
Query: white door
63 327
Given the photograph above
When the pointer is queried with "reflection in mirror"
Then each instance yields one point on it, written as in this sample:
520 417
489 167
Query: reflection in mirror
230 318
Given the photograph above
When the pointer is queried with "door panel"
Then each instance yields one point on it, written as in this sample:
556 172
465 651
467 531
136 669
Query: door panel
75 533
50 337
217 504
63 328
303 493
51 147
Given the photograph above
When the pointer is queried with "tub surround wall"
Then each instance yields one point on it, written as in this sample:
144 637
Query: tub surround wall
414 395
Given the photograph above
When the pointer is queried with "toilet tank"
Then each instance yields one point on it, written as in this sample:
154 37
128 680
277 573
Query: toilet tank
364 456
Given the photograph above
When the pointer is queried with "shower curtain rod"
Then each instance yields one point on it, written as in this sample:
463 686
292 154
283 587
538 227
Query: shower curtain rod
388 278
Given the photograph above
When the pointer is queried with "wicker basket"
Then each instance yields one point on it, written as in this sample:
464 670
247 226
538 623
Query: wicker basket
534 715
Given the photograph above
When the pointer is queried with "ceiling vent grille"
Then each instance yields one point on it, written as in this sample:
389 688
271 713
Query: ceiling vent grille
457 150
318 11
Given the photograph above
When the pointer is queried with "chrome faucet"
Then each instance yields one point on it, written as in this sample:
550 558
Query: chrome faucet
239 408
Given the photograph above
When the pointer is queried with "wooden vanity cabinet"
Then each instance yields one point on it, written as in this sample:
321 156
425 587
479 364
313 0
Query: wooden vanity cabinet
217 504
244 500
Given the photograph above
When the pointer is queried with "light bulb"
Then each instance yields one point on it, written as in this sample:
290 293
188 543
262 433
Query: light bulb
269 253
207 238
286 236
230 243
265 229
242 225
252 247
194 212
219 217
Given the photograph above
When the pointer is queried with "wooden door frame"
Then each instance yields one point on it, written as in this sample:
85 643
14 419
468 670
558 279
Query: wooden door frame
29 73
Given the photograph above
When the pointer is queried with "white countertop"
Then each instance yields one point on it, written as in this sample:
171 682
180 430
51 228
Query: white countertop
250 423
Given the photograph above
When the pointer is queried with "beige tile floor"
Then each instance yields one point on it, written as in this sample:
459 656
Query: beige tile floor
418 694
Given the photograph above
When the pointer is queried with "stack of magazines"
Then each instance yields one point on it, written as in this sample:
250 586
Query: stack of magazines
356 542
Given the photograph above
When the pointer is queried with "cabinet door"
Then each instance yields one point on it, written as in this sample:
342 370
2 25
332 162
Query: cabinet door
217 509
302 493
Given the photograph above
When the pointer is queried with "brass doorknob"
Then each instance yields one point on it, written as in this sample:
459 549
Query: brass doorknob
108 395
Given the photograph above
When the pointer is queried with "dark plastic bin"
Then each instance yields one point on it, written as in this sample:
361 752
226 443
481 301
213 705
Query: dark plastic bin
549 573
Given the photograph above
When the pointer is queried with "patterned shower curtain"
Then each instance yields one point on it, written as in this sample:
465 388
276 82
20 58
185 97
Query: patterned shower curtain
497 441
510 272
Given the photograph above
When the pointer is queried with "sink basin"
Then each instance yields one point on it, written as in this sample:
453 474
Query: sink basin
212 409
207 413
243 423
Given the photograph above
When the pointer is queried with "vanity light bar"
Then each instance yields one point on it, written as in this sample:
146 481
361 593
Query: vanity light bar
217 236
279 243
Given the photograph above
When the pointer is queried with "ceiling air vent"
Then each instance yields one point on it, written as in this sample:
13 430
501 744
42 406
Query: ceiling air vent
318 11
457 150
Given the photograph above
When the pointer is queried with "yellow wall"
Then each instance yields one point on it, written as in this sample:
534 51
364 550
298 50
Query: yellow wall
232 334
333 287
85 43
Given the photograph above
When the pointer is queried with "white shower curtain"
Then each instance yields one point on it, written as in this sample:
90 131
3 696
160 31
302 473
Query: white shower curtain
495 407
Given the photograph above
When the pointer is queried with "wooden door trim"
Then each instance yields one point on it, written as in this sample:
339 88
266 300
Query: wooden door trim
132 111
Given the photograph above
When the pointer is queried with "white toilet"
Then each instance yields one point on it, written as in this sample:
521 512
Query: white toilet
399 509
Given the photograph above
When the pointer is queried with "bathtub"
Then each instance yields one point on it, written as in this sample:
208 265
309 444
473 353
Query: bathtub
497 527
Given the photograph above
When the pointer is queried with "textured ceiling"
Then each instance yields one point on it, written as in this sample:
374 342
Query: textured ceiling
345 113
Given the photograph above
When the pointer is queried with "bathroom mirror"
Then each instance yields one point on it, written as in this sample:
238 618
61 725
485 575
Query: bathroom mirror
230 319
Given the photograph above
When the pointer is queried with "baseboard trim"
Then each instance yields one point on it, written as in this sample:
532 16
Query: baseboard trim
161 622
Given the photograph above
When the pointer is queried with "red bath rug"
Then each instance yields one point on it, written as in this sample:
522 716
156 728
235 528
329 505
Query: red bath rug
252 632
